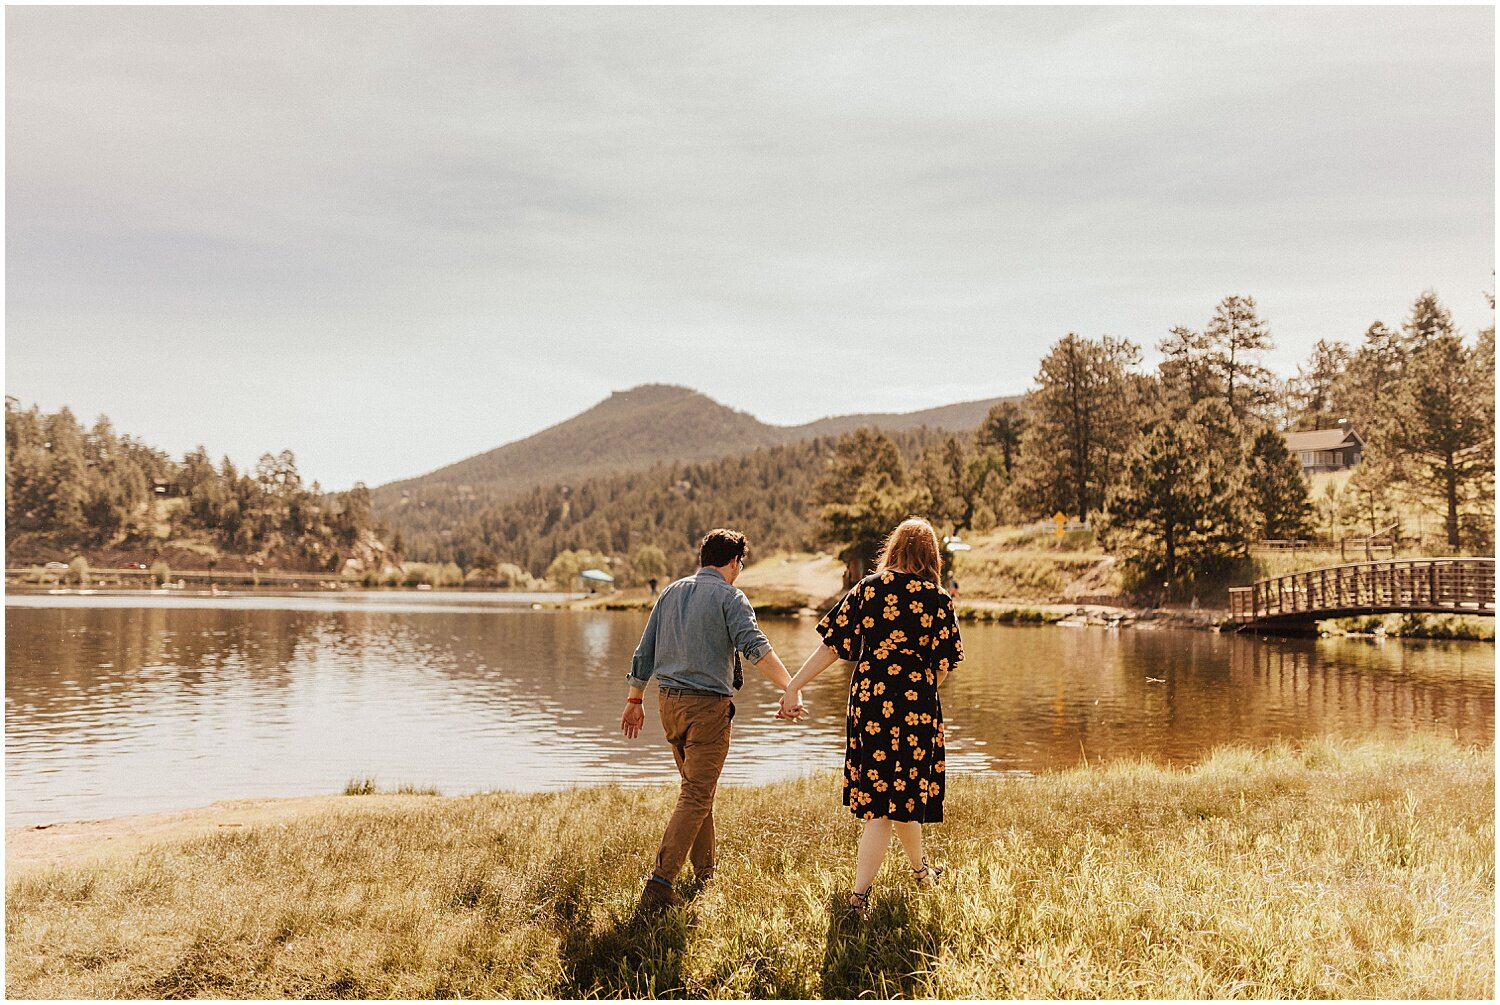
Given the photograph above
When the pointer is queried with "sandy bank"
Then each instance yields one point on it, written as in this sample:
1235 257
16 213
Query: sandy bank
76 842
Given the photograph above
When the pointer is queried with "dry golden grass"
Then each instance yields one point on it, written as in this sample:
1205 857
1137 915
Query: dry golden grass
1331 871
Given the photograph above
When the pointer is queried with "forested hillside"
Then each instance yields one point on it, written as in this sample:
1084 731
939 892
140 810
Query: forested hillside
629 430
70 489
771 494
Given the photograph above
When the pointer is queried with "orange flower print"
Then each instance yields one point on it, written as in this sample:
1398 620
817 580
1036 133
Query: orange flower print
911 696
841 620
880 786
891 600
891 613
912 773
911 718
916 607
916 677
880 687
867 621
943 664
892 809
926 718
941 613
913 586
886 577
872 774
900 784
927 621
887 709
940 766
924 640
919 753
872 728
943 633
911 805
869 593
879 755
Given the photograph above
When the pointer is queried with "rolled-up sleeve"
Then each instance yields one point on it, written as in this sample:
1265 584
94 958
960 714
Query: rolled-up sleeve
744 631
643 663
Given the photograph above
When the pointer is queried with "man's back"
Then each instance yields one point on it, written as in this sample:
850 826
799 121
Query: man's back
696 626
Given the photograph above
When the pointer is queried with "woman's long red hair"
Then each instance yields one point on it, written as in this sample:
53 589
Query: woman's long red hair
912 548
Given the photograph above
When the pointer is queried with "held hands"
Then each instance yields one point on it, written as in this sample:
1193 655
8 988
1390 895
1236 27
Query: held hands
632 721
791 708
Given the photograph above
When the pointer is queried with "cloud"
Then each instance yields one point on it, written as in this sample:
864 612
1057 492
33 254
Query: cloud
803 198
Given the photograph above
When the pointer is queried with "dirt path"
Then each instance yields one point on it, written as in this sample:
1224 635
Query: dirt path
815 576
80 841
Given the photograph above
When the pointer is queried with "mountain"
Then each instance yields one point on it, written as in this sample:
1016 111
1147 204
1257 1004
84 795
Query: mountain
633 429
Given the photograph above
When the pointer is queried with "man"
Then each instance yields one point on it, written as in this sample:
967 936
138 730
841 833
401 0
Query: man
696 627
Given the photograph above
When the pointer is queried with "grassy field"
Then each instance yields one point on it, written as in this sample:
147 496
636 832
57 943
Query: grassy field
1333 871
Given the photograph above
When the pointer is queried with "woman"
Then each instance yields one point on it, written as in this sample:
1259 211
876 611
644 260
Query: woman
899 628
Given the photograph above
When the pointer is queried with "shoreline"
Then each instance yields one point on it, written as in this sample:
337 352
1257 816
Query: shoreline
1050 612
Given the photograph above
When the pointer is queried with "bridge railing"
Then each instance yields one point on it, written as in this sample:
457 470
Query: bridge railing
1459 585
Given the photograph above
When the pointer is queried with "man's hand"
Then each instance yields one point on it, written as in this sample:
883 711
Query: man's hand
632 721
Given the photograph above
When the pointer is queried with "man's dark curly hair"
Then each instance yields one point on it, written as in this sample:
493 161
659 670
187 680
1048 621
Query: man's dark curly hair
720 547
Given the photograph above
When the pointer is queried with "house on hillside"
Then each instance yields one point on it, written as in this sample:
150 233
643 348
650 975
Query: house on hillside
1326 449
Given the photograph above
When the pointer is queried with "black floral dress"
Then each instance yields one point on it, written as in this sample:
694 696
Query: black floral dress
900 631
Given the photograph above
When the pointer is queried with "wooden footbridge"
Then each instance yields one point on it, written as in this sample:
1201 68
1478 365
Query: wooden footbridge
1407 585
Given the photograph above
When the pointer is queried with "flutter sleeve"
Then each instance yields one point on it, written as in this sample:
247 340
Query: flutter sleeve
840 627
948 647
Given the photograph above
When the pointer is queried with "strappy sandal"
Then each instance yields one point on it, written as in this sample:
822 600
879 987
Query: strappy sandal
859 903
928 875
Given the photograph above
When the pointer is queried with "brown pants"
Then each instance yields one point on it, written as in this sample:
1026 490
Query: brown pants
697 727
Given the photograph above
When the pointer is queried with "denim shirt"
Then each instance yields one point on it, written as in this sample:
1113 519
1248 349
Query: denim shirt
696 626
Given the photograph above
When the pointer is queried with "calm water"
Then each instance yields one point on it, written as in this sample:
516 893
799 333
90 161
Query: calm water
117 705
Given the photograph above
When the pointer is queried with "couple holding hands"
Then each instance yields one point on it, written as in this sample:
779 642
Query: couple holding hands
899 629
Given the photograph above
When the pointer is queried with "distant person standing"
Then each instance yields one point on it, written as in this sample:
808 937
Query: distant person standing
952 586
652 583
691 643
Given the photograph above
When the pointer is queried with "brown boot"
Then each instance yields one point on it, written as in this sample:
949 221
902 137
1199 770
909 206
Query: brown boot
658 897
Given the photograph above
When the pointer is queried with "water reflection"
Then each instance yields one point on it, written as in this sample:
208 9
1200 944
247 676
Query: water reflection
124 709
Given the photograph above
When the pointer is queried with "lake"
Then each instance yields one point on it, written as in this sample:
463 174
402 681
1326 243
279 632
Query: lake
133 703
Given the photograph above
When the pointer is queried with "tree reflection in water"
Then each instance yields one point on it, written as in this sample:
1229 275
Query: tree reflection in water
113 710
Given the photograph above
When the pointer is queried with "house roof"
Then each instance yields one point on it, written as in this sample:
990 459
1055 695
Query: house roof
1322 439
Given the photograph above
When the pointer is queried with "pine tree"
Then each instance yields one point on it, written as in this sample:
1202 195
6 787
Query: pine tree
1001 430
1080 417
1429 321
1313 389
1178 514
1238 336
1278 490
865 495
1443 446
1188 371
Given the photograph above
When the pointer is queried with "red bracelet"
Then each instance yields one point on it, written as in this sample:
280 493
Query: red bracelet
634 701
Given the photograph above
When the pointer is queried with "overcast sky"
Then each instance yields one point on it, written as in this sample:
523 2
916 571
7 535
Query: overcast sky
391 238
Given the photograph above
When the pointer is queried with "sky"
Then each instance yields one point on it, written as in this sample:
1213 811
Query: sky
390 238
